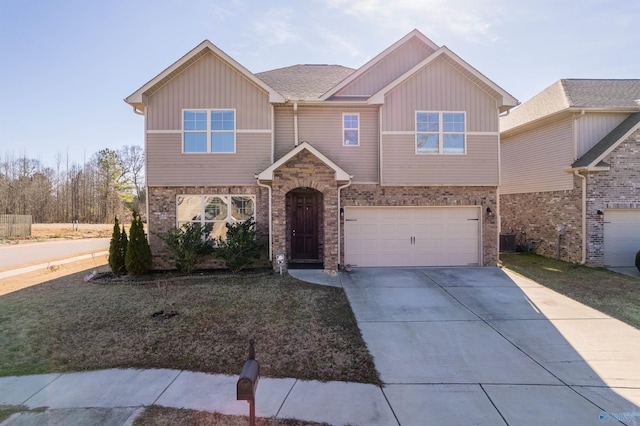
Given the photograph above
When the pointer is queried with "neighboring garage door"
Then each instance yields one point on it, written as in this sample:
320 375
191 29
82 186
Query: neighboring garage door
412 236
621 237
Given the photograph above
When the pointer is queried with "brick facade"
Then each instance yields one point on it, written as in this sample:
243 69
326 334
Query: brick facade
424 196
533 217
162 217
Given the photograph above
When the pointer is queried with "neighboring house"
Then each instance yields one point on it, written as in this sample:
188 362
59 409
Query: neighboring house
570 179
393 164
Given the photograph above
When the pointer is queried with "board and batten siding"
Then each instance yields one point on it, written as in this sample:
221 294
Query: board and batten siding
322 128
168 166
439 87
209 83
402 166
390 68
592 127
534 161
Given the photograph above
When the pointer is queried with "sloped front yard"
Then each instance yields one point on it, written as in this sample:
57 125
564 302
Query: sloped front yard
304 331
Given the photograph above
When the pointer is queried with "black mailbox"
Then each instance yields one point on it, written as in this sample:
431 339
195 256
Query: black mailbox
248 381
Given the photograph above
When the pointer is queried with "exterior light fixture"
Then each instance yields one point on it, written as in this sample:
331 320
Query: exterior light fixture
489 212
600 214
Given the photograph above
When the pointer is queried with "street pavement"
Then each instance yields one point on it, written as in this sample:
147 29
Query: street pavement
15 255
454 346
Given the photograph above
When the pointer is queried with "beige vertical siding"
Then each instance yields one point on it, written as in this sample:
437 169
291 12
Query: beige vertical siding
209 83
402 166
534 161
592 127
166 165
439 87
392 67
322 128
284 133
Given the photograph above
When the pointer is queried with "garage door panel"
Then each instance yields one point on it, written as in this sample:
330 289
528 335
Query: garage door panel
621 237
422 236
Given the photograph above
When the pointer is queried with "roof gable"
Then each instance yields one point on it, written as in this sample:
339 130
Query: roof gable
595 155
267 174
505 100
414 35
138 99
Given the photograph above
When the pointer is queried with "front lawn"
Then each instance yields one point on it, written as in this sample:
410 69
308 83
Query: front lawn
614 294
303 331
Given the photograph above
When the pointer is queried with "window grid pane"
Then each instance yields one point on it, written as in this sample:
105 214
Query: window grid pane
216 208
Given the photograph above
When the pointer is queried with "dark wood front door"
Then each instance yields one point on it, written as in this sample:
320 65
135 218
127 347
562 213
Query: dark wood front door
304 225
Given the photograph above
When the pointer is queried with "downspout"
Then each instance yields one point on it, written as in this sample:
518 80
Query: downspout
340 188
584 216
273 133
295 123
270 218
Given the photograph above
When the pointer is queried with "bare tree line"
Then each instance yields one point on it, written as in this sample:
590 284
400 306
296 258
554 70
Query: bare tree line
110 183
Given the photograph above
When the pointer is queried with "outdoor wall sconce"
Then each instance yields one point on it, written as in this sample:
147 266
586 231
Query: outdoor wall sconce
489 212
600 214
341 211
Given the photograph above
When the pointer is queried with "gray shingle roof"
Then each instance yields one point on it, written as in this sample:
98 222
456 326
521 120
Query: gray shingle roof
305 81
608 141
583 93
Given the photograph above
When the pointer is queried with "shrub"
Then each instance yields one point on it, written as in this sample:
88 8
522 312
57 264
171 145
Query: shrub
117 250
138 256
187 244
638 260
240 247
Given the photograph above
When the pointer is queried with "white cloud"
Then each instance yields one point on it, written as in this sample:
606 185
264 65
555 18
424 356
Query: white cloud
275 27
470 19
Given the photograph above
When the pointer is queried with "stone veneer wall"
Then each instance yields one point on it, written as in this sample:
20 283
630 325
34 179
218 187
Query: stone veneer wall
534 218
306 171
618 188
162 217
376 195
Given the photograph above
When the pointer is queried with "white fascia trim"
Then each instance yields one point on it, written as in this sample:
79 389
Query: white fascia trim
267 174
151 132
366 67
137 97
155 132
378 98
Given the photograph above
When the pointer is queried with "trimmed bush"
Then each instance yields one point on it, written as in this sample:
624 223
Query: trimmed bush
138 256
117 249
187 244
638 260
240 247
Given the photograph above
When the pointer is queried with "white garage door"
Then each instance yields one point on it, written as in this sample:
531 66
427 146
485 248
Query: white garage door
412 236
621 237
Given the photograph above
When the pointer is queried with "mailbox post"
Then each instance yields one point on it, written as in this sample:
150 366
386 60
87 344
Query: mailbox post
248 382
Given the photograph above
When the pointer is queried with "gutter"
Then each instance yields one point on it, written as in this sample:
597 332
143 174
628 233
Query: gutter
340 188
576 173
295 123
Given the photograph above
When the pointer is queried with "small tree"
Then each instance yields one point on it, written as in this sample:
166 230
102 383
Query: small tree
138 256
240 246
638 260
116 250
187 244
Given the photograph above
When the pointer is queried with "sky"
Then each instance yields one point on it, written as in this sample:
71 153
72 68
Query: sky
67 65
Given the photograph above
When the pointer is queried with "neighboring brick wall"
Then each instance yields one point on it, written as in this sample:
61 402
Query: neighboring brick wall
376 195
162 217
618 188
534 218
307 171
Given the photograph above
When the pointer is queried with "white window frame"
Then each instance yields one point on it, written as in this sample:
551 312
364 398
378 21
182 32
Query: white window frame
344 128
441 133
203 221
209 131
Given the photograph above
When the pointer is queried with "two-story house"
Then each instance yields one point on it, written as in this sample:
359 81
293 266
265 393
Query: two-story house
395 163
571 171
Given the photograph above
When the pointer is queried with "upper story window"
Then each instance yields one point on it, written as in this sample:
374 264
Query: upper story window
351 129
209 130
440 132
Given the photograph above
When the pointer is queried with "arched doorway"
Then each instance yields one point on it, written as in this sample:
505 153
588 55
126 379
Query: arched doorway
305 233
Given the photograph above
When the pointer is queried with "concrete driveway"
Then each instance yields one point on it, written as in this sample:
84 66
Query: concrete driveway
478 346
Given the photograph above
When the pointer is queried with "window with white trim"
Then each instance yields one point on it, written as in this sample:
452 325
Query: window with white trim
440 132
350 129
213 212
209 130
